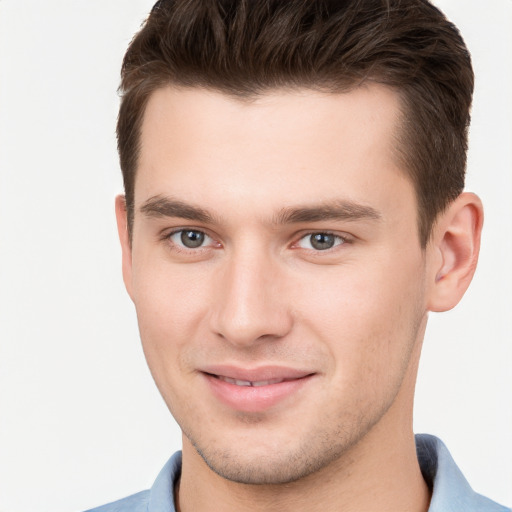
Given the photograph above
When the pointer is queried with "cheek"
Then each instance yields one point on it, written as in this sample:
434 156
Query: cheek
171 305
368 321
167 312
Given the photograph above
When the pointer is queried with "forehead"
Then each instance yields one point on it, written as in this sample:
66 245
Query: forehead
281 146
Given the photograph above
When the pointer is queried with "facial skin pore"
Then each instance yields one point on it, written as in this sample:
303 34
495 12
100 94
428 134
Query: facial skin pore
276 240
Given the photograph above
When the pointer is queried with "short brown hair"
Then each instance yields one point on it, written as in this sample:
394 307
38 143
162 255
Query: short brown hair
247 47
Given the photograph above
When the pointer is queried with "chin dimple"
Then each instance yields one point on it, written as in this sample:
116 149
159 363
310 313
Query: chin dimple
249 383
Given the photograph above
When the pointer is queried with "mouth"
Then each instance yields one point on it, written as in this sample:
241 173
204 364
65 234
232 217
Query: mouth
256 390
249 383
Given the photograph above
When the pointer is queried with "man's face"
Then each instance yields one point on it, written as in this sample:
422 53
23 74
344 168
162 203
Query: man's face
277 274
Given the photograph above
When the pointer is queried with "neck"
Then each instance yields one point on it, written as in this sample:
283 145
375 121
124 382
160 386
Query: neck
384 477
381 472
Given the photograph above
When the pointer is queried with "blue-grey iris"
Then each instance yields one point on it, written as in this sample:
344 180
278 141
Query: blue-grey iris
322 241
192 239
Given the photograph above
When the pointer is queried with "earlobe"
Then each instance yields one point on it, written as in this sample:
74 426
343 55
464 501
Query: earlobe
124 238
456 243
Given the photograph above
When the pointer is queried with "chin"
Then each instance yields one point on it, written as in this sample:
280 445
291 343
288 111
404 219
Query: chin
261 465
262 470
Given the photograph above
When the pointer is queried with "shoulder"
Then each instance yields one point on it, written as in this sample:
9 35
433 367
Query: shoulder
160 498
134 503
450 490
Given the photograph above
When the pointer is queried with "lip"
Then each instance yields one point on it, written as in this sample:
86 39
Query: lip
269 385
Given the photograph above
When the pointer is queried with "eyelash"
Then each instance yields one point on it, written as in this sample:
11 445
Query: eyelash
181 248
340 239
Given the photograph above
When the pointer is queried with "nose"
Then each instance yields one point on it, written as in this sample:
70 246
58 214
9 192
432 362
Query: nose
250 302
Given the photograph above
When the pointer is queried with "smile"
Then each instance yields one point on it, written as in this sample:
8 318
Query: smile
255 384
256 390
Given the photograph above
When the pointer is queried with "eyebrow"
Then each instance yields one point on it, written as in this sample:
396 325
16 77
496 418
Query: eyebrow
160 206
335 210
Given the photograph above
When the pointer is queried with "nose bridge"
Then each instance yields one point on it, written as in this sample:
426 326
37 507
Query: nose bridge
249 303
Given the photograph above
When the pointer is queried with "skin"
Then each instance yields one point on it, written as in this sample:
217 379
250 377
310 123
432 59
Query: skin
258 293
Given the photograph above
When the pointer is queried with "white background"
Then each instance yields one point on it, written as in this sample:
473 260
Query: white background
81 422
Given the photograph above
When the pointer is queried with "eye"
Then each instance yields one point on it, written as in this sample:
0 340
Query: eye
190 238
320 241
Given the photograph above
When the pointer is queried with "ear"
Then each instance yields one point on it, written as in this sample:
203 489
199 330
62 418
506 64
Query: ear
455 244
124 238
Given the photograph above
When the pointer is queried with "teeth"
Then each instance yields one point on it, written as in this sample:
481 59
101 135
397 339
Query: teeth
249 383
235 381
266 382
242 382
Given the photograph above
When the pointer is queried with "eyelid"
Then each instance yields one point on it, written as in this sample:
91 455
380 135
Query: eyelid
168 233
344 237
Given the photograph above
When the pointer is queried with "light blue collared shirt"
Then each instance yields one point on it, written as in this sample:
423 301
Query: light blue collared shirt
450 490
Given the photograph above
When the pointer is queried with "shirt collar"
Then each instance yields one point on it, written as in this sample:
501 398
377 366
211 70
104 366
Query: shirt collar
161 496
450 490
